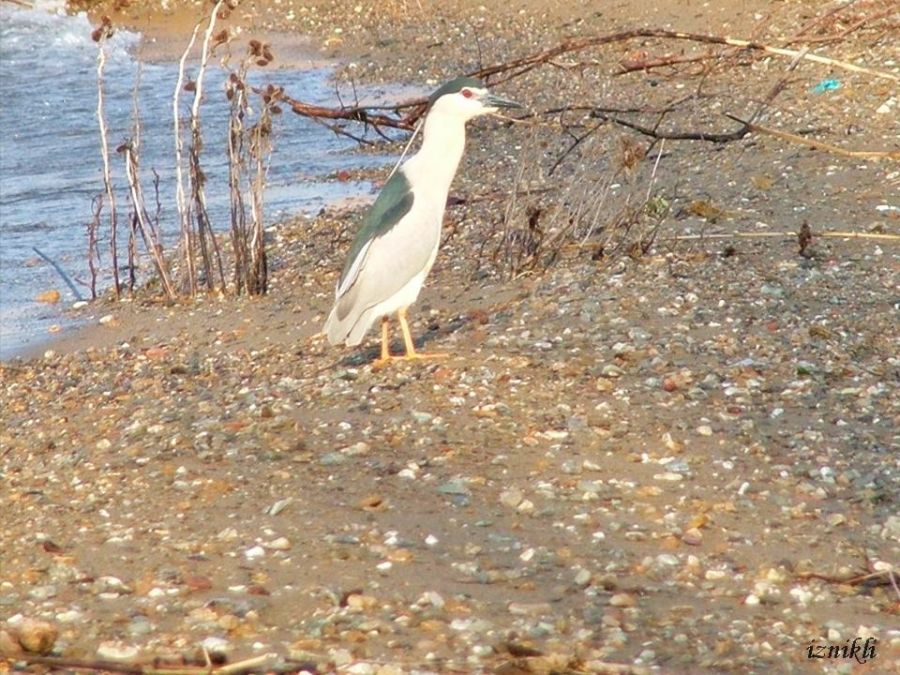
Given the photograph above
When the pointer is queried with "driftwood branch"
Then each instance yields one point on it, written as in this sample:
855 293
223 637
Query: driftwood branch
818 145
414 109
264 663
522 65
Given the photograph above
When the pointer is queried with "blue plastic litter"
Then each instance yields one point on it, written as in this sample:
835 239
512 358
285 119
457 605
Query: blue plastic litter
826 85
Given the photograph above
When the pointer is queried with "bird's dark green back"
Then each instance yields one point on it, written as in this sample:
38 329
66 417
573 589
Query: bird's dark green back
393 202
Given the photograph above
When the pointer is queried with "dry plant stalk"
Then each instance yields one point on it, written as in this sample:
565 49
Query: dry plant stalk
249 150
100 35
184 210
587 212
144 224
93 252
206 239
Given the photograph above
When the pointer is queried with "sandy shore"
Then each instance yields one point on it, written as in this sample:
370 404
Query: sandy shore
681 460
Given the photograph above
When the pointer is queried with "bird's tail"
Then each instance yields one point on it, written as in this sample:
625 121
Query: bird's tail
335 330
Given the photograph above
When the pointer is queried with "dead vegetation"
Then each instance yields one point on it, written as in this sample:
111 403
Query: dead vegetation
198 262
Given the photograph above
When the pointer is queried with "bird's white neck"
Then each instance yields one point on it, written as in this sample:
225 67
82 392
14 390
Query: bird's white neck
443 142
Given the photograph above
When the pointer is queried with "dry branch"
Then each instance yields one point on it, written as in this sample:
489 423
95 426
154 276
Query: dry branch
511 69
103 33
819 145
522 65
263 663
184 213
831 234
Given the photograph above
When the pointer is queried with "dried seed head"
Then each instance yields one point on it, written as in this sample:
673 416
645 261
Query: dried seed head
190 86
262 63
267 53
255 47
276 110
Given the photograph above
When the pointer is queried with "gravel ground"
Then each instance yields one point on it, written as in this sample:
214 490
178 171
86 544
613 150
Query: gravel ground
684 461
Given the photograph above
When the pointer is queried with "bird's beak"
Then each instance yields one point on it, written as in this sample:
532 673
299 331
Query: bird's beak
492 101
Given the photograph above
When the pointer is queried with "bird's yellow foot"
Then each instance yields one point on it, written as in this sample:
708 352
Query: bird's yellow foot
424 355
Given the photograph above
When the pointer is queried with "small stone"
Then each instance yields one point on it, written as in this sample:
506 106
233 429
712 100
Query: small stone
705 430
50 297
279 544
668 476
432 598
527 506
9 646
361 448
360 602
891 529
692 537
454 487
751 600
511 497
622 600
107 319
583 577
529 608
836 519
361 668
36 636
254 552
216 646
117 651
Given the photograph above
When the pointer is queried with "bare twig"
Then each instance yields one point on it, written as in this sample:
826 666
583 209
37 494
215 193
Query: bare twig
103 33
832 234
264 662
819 145
521 65
209 248
93 250
144 224
184 213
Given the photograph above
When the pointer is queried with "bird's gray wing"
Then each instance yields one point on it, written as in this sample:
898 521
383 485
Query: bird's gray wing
393 202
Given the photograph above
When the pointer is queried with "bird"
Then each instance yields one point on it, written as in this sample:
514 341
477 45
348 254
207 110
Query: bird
398 241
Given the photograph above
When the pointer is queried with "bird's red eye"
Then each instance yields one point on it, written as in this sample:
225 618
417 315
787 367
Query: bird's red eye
467 93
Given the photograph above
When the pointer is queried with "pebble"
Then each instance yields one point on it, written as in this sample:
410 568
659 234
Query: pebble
216 646
622 600
254 552
692 537
455 486
117 651
511 497
583 577
891 529
37 636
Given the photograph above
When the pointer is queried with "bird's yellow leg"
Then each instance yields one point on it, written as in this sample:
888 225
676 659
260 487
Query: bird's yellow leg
386 357
411 352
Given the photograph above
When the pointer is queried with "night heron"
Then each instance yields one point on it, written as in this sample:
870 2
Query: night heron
400 235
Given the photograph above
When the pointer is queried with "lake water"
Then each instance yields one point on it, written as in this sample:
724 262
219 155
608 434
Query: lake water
50 164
